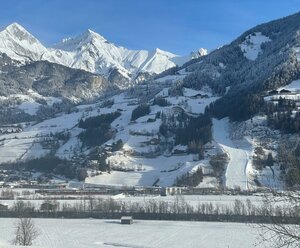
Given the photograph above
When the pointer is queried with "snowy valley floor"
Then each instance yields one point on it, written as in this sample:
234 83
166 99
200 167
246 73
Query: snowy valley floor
90 233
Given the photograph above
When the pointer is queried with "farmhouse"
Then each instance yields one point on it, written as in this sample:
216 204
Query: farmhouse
127 220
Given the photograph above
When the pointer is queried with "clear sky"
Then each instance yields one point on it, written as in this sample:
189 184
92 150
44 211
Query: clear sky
178 26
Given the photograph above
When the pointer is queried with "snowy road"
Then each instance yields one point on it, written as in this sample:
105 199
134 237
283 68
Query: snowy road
236 171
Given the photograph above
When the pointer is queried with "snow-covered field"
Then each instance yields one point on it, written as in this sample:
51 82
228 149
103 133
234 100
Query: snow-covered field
89 233
166 169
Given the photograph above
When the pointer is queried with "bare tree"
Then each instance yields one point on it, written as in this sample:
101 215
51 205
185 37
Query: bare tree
26 232
283 233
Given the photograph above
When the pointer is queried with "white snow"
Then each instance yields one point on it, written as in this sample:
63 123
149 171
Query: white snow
30 107
163 168
237 169
18 44
251 46
147 170
92 233
15 146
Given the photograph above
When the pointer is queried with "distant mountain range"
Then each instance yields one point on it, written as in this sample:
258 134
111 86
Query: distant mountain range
90 52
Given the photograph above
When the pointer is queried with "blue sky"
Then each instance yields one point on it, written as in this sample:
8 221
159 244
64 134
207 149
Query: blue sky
179 26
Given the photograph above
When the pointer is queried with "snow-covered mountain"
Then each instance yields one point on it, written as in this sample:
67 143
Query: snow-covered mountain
19 44
234 113
89 51
94 53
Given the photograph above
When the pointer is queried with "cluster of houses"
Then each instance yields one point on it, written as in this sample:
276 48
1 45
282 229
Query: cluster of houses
275 92
9 129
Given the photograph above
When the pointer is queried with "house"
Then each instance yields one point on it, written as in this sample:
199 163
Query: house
284 91
3 207
197 96
207 170
127 220
170 191
273 92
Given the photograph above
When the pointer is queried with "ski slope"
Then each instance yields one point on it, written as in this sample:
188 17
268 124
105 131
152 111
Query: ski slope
236 171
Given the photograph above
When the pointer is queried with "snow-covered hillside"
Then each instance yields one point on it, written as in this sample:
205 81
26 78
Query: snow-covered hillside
132 165
89 51
251 47
146 157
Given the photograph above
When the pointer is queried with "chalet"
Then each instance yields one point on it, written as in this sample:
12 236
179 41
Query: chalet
197 96
3 207
284 91
127 220
273 92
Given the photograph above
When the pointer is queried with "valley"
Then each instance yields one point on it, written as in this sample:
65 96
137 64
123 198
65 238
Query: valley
191 147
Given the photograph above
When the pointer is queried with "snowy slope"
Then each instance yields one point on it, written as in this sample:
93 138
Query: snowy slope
251 47
236 172
141 170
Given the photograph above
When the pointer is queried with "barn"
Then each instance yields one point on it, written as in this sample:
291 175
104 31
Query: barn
127 220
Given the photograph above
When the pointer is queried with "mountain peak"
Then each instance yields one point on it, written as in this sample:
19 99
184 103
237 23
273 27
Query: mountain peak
15 27
197 54
93 35
71 44
165 53
18 32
